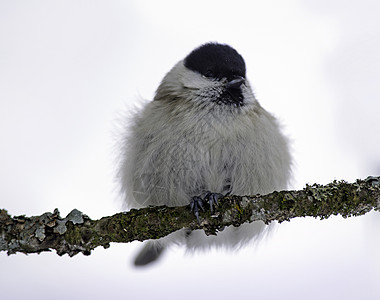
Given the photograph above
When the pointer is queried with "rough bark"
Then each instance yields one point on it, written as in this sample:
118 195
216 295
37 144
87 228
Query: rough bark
78 233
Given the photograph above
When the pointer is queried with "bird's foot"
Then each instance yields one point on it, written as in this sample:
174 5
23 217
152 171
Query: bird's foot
197 202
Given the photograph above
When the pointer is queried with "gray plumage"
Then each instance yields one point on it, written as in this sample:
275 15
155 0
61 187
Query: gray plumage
203 132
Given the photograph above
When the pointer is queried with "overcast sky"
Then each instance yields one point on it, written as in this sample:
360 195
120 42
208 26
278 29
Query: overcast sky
70 69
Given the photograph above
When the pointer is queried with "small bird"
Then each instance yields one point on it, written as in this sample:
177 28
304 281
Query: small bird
204 135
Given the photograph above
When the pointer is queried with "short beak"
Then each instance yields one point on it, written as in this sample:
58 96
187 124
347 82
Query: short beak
235 83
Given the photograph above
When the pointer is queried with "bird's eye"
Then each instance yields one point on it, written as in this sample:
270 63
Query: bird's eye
209 74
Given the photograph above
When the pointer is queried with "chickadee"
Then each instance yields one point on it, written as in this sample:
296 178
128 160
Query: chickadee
204 133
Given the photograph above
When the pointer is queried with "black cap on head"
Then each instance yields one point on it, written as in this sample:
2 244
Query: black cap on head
216 61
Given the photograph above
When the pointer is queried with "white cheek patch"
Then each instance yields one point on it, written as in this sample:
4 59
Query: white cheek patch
193 80
200 88
249 97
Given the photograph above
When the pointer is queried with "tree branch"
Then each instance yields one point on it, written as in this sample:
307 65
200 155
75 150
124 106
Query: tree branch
78 233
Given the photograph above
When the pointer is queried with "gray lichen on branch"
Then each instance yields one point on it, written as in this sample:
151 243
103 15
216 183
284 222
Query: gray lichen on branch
77 233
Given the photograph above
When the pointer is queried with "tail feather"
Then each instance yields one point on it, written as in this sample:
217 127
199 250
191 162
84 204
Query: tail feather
150 252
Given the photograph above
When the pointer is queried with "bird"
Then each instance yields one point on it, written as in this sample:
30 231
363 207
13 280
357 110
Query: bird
204 135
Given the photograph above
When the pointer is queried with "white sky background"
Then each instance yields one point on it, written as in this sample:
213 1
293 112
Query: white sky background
69 68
